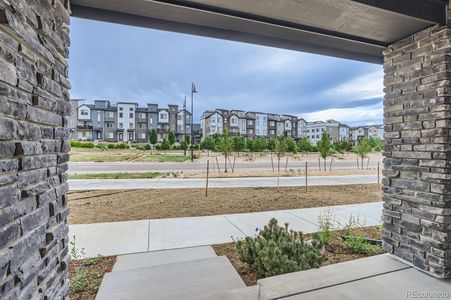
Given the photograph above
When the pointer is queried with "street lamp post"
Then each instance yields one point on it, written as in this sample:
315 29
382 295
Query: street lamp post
193 90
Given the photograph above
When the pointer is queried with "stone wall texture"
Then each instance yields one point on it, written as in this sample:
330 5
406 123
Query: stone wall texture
417 119
34 254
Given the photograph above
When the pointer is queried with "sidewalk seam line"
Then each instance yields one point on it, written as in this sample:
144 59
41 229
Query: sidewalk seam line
234 225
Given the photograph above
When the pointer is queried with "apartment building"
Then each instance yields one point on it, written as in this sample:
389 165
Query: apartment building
249 124
126 121
374 131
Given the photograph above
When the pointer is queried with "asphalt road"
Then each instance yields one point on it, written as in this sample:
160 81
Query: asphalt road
199 166
165 183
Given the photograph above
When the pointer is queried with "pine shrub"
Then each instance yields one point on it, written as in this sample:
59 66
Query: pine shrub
277 250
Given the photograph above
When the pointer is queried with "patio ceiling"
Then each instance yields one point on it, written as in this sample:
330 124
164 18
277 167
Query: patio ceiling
353 29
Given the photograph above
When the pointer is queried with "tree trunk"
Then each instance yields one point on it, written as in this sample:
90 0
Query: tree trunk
278 164
225 163
362 162
325 167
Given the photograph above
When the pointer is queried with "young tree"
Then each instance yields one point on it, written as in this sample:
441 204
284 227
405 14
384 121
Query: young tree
291 145
375 143
260 144
362 149
239 144
250 144
165 145
325 147
271 145
225 147
208 144
171 138
184 143
281 149
304 145
153 136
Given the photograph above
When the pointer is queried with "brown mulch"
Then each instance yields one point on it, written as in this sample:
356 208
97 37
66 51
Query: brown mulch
94 274
124 205
336 252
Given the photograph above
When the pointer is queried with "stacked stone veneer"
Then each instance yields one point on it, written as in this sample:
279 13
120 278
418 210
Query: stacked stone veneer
34 98
416 192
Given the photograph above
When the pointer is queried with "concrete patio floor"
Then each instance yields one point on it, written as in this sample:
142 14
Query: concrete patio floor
169 183
117 238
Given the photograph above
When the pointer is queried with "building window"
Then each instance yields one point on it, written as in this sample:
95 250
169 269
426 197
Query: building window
150 120
142 115
142 125
98 116
121 108
110 135
84 112
179 117
131 108
120 115
121 125
143 135
109 124
131 115
130 125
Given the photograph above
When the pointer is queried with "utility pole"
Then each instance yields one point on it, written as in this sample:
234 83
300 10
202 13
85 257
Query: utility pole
193 90
184 124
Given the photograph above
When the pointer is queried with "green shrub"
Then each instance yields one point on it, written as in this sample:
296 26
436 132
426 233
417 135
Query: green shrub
357 243
277 250
81 144
80 281
111 146
121 146
92 260
101 146
147 147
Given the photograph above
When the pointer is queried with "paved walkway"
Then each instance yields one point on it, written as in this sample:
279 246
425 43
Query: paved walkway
148 235
166 183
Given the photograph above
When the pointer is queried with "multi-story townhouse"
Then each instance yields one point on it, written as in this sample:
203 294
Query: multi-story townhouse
358 133
72 120
376 131
212 122
315 130
343 132
302 128
250 125
261 124
126 121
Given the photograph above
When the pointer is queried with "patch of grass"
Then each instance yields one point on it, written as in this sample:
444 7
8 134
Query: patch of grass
92 261
116 176
162 158
357 243
114 156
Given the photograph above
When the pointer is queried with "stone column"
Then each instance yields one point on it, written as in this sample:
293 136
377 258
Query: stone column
416 192
34 254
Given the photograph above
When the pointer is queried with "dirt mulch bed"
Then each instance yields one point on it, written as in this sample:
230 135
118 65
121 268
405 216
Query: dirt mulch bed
336 252
94 275
124 205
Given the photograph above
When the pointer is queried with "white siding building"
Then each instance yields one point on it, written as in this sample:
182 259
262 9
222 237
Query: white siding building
126 114
261 124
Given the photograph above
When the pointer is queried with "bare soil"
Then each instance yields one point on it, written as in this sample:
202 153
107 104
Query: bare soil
94 275
124 205
335 252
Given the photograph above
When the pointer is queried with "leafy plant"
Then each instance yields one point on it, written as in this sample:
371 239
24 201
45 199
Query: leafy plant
171 137
304 145
260 144
291 145
281 149
92 260
153 137
357 243
277 250
326 228
74 251
362 149
325 147
239 143
208 144
79 283
225 146
165 145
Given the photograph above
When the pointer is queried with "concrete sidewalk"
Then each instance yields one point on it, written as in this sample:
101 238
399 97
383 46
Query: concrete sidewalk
166 183
148 235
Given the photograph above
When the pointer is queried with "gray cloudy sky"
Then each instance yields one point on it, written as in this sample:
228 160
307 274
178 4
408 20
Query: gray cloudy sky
117 62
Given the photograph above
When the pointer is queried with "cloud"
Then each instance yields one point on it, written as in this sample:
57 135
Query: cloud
367 86
372 114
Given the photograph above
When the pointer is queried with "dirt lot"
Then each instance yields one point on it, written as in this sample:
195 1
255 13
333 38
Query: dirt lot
123 205
336 252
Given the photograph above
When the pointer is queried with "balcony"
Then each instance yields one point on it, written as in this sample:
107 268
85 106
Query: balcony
84 127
